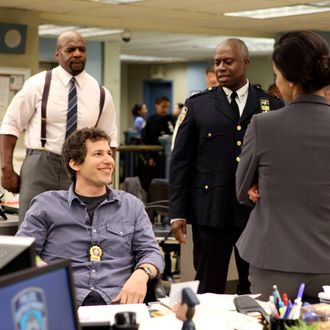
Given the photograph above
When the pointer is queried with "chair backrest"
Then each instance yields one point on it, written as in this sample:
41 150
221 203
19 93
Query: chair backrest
133 186
158 190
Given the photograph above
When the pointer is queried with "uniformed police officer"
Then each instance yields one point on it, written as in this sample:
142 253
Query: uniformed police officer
203 165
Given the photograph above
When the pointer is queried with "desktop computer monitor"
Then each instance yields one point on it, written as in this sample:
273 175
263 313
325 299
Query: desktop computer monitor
16 253
39 298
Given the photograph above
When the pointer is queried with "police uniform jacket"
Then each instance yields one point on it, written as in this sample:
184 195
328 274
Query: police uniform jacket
205 157
157 126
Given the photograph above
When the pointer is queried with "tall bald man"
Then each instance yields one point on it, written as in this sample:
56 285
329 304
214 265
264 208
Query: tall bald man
203 165
49 107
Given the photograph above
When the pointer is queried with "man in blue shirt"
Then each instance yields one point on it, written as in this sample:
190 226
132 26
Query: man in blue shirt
104 232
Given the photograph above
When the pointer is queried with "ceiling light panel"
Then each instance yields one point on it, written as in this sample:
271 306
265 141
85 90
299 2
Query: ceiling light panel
54 30
117 2
281 11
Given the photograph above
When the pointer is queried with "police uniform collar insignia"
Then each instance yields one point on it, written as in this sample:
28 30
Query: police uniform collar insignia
264 105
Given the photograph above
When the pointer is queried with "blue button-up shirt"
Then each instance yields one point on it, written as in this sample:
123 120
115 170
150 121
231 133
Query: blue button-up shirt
59 222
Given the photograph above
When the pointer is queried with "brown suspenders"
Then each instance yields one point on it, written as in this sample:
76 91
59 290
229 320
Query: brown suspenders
44 101
43 107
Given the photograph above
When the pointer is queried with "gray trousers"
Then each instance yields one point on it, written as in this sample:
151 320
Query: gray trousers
41 171
262 281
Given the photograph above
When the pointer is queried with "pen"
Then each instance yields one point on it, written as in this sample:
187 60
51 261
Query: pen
301 291
288 309
277 296
295 310
285 299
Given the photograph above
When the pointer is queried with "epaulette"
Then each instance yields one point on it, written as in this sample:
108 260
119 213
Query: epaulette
206 91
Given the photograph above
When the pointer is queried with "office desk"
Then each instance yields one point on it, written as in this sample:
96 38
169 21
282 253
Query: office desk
214 312
10 226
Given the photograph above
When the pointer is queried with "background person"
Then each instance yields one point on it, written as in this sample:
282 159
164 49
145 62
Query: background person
139 112
203 165
160 123
286 154
42 168
177 110
273 89
211 77
106 233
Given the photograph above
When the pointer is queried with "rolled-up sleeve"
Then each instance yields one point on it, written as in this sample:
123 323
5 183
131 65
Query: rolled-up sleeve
108 119
19 111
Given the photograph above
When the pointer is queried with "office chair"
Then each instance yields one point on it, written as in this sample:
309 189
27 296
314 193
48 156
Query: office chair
157 210
155 291
158 190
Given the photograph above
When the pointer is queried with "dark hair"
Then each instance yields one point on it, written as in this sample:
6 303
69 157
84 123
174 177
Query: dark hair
302 57
135 110
180 105
161 99
74 147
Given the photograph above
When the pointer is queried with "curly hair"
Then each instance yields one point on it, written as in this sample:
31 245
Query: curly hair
74 147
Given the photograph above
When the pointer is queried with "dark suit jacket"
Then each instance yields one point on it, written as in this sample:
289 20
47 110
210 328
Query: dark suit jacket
288 152
204 158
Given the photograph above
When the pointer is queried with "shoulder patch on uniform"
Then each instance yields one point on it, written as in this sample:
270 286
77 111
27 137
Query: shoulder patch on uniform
182 115
264 104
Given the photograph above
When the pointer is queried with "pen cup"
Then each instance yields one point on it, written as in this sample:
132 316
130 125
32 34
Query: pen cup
281 324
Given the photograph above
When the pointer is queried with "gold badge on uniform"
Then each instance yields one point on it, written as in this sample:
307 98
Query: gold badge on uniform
182 115
95 252
264 105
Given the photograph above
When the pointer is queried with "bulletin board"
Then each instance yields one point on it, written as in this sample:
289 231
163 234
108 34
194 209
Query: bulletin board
11 81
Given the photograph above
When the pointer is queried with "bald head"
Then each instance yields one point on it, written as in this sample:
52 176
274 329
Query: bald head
67 36
71 52
231 61
238 44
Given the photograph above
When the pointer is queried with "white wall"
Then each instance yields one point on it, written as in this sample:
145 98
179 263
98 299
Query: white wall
261 71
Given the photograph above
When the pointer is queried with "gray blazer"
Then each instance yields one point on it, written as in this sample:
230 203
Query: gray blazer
287 153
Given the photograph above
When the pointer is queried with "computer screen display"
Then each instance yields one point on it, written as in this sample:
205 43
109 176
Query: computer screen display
16 253
39 299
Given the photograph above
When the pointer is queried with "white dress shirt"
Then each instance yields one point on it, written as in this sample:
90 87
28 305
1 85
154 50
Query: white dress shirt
241 97
24 112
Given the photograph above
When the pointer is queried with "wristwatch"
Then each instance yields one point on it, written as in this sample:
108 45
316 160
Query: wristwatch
148 271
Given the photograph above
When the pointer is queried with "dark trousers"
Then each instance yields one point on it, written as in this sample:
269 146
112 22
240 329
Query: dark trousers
93 298
212 251
41 171
262 281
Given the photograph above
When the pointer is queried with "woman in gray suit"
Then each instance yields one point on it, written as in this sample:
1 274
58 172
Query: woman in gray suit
285 170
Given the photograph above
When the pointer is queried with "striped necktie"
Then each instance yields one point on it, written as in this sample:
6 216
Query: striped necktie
71 123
